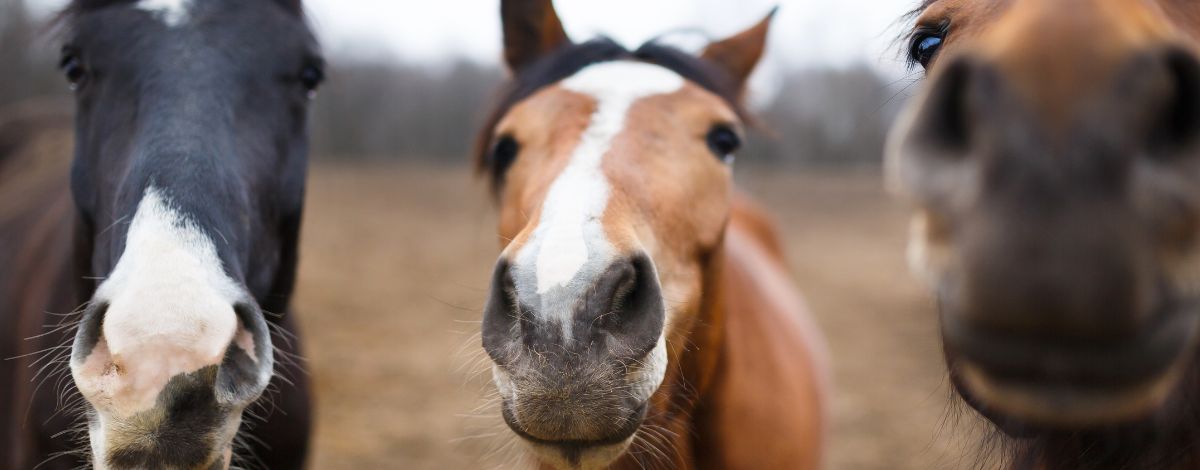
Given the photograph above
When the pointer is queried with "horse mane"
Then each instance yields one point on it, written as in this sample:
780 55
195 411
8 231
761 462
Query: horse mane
570 59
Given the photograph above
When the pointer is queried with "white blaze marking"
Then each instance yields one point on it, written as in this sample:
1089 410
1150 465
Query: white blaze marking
172 12
569 233
569 242
170 311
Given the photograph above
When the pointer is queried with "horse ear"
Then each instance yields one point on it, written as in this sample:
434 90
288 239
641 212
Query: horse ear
531 30
738 54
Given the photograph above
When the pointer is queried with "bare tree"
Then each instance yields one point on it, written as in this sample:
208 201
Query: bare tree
25 56
390 110
825 117
402 111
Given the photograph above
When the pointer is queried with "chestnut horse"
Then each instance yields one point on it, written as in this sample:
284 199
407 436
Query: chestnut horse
641 314
1054 160
167 258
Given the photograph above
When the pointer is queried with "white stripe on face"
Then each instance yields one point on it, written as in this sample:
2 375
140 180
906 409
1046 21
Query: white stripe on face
170 311
569 242
171 12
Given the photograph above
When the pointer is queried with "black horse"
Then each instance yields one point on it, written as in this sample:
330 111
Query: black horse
165 273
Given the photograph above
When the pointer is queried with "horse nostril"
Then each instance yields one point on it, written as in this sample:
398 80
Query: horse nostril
928 150
614 291
1179 122
501 314
621 302
248 362
627 304
125 361
89 331
943 125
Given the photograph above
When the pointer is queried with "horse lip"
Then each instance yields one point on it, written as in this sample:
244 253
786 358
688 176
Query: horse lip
1101 364
632 423
1063 406
1048 384
221 462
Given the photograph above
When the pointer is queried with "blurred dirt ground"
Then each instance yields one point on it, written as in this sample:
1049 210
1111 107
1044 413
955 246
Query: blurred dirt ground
394 273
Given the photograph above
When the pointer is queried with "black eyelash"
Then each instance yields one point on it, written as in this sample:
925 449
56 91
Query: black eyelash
918 34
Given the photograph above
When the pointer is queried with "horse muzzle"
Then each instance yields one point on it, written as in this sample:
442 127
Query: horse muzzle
188 429
163 399
584 418
576 365
1024 381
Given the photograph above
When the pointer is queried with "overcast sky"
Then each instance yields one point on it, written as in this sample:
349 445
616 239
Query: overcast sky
806 32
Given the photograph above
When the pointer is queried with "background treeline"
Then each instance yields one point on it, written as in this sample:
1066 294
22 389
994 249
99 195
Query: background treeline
27 59
392 110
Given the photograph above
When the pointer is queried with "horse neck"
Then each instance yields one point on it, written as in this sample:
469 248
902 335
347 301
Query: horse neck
706 337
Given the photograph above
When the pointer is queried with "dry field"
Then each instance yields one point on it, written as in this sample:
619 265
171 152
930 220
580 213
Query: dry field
394 273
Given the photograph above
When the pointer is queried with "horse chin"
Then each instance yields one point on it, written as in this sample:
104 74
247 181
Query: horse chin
1027 383
150 441
577 454
1018 407
587 417
585 458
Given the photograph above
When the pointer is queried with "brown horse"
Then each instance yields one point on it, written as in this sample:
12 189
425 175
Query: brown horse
1054 158
162 255
641 315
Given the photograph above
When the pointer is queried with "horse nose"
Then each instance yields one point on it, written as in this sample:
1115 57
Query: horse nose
941 125
1079 274
1172 90
617 312
578 361
132 355
171 349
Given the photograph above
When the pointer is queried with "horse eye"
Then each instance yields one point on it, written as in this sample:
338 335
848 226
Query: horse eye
504 153
926 42
723 142
73 69
311 77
